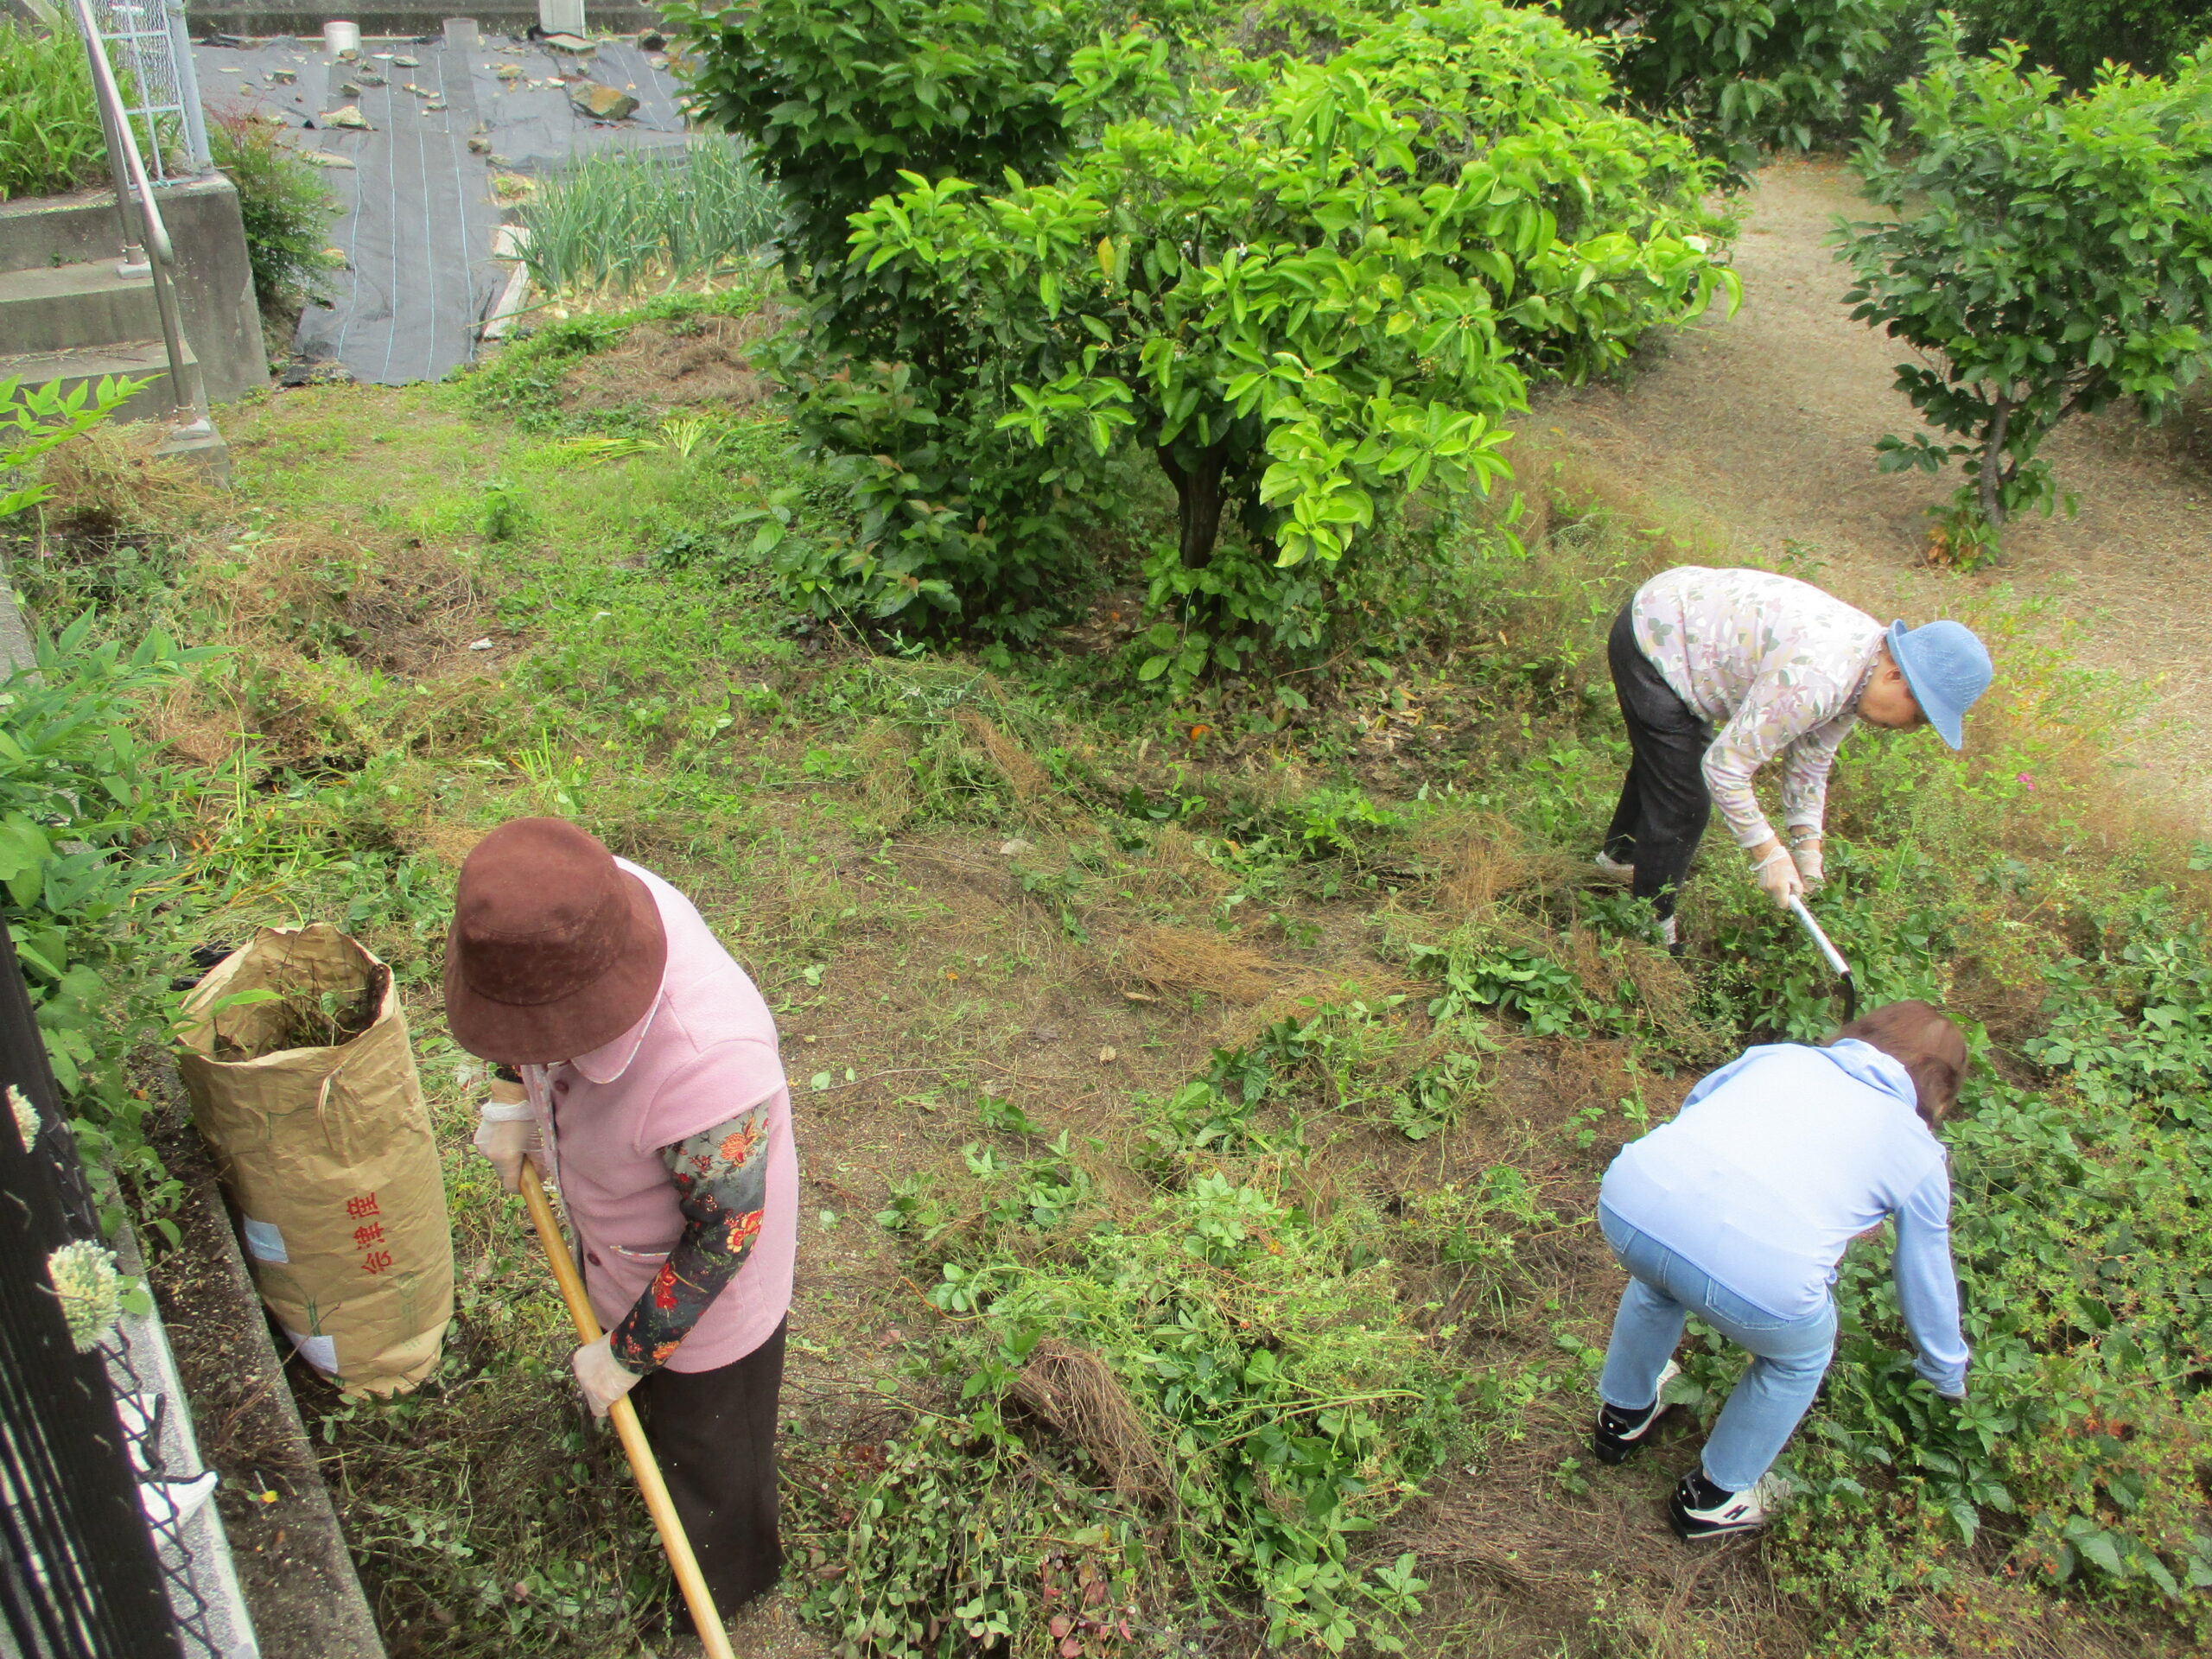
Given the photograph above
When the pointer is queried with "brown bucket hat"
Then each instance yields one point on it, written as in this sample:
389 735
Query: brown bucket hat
554 951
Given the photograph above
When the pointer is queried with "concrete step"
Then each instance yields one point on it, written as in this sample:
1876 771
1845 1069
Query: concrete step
62 308
40 231
134 359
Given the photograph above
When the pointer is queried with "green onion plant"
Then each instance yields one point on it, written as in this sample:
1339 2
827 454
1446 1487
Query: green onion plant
624 222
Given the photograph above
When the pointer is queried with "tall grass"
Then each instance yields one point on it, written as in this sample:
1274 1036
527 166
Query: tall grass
622 221
50 137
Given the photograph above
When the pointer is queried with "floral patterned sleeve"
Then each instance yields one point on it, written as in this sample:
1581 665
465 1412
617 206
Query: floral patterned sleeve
1805 768
722 1179
1799 721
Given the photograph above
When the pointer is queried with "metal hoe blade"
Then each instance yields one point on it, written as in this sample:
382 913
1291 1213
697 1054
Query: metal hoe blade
1833 956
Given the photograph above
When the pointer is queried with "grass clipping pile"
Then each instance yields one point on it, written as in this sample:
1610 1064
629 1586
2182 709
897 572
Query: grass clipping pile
303 1082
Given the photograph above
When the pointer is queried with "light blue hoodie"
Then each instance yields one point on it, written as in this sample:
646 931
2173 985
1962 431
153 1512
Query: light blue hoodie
1776 1161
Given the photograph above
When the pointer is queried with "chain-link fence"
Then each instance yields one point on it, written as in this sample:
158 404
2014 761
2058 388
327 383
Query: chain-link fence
151 51
79 1574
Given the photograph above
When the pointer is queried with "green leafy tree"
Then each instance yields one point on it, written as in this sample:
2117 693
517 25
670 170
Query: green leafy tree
2052 253
841 104
841 101
2076 37
1742 74
1303 300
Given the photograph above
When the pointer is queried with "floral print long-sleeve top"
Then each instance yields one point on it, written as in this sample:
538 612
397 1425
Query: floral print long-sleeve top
721 1181
1775 663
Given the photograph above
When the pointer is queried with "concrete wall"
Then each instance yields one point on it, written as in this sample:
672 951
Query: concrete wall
215 278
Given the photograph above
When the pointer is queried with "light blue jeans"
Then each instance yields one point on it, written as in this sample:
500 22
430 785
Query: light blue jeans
1790 1356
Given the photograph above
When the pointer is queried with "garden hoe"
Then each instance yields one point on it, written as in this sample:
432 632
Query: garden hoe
1835 957
696 1596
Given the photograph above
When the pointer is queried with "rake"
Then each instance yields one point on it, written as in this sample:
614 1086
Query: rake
696 1596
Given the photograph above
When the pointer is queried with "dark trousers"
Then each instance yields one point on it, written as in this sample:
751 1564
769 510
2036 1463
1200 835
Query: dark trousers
715 1434
1664 806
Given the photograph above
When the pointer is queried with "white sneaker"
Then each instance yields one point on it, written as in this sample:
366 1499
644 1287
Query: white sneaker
172 1502
1619 1432
1701 1509
1613 870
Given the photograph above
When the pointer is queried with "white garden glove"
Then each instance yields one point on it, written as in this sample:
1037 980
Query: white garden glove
506 1133
603 1378
1777 877
1805 853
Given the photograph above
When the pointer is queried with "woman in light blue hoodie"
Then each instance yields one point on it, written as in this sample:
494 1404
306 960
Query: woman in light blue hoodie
1738 1211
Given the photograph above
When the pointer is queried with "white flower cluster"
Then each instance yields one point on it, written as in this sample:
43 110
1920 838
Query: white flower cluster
26 1114
85 1278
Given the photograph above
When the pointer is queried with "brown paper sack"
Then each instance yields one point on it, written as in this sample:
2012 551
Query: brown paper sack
327 1156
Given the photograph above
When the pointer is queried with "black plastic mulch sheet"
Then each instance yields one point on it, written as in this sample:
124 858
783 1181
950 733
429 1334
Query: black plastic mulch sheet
419 214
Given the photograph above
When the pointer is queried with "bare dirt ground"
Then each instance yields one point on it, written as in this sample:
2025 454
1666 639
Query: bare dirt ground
1756 432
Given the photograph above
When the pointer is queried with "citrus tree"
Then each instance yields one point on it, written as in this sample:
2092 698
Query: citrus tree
2052 252
1742 74
841 101
2076 37
1301 297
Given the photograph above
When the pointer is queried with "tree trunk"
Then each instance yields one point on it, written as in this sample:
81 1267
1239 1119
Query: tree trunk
1992 464
1199 498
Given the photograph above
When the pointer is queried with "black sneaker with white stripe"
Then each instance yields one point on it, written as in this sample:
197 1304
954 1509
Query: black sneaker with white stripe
1619 1432
1701 1509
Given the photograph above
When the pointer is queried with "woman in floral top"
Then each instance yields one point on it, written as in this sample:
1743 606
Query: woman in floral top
638 1063
1720 671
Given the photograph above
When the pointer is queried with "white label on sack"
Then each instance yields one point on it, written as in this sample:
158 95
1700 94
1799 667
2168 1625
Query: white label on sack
264 1242
321 1351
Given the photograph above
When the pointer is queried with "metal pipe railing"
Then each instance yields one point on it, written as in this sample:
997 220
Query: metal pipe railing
130 169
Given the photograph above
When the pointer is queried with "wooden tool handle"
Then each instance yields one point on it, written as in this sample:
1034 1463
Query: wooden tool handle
696 1596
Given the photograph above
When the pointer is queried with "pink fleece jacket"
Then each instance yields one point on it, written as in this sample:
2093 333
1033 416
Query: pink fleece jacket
704 1053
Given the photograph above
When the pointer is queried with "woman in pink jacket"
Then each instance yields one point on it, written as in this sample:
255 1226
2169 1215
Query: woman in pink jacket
638 1064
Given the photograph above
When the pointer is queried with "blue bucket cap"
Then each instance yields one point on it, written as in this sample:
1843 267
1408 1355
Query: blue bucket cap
1947 668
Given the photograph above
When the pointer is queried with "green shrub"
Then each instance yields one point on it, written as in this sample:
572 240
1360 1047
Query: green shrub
2052 253
50 137
1305 301
621 220
89 820
286 206
1743 74
839 102
2075 36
